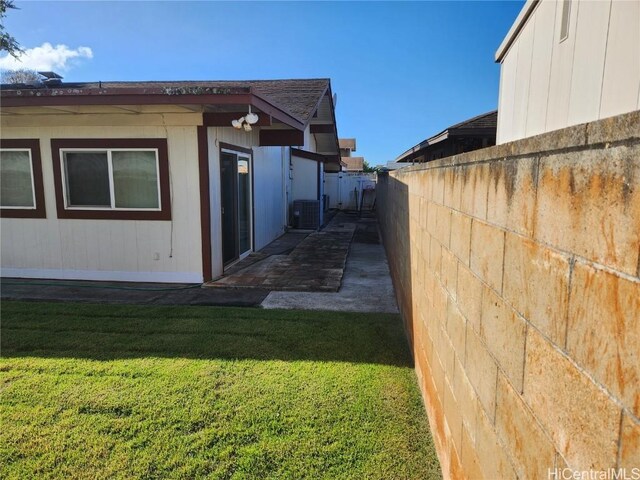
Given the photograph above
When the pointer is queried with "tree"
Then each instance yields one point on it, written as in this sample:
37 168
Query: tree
23 75
7 42
367 168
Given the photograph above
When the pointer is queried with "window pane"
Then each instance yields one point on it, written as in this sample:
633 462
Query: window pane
16 188
87 176
135 179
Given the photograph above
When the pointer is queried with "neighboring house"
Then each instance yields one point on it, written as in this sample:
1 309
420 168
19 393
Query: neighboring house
352 164
347 145
149 181
568 62
391 165
477 132
347 161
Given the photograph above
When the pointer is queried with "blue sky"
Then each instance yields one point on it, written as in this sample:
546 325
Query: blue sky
403 71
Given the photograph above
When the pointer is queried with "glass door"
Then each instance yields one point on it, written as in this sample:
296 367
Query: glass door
236 205
228 207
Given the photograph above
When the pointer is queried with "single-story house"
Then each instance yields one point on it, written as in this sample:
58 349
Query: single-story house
566 63
472 134
155 181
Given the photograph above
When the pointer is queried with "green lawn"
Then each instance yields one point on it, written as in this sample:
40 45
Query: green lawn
105 391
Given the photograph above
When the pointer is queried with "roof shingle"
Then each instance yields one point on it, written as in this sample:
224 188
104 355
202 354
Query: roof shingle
297 97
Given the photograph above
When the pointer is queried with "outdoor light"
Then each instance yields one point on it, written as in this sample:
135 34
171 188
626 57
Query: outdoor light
251 118
248 120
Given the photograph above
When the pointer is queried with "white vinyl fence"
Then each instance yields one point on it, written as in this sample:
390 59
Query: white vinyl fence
350 191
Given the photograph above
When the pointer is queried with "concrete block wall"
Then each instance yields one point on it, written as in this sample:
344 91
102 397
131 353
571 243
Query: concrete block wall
517 273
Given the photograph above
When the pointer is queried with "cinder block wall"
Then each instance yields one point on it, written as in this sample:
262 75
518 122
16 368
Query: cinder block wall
517 271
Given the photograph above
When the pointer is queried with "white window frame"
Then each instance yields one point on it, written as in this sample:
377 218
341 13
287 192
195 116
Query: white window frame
33 184
247 158
109 151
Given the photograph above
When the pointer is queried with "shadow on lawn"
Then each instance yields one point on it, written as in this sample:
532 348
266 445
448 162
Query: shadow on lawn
107 332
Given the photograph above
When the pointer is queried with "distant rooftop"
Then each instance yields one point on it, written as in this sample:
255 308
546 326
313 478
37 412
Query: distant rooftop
353 164
349 143
479 125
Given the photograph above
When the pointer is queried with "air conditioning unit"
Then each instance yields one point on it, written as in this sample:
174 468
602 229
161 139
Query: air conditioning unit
306 214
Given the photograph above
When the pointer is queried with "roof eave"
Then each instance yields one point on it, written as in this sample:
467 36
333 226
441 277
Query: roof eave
154 96
515 29
478 131
333 115
276 112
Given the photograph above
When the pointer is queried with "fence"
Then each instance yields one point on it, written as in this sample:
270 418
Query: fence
350 191
517 273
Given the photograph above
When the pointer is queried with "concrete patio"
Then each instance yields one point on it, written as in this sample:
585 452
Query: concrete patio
315 264
341 268
366 284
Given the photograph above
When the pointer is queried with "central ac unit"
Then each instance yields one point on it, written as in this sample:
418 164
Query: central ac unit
306 214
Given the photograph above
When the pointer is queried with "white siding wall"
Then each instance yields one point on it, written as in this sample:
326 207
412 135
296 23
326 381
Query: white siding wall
108 249
269 192
542 50
620 86
546 84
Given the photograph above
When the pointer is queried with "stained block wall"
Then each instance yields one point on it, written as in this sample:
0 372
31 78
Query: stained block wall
517 273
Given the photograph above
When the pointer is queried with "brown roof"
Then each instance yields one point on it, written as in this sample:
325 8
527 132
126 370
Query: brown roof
297 97
478 125
486 120
348 143
353 164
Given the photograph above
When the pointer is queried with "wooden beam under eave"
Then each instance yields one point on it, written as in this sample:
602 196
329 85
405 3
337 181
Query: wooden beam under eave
223 119
281 138
332 158
322 128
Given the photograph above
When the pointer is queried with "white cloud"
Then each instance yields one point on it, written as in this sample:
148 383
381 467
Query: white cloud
46 57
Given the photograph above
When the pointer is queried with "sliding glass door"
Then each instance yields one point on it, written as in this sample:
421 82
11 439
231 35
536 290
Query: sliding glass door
236 205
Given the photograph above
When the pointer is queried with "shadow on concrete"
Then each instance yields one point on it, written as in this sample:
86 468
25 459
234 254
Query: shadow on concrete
44 290
109 332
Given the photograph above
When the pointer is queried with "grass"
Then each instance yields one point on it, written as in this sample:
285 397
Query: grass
109 391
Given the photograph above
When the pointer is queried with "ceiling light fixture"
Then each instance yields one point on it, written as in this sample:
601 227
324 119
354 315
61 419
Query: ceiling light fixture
248 120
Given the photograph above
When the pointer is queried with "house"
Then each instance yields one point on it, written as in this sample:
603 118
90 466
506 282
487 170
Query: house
568 62
477 132
391 165
347 161
156 181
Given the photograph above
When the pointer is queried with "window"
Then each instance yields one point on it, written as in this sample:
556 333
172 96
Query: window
114 179
566 17
117 179
21 190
